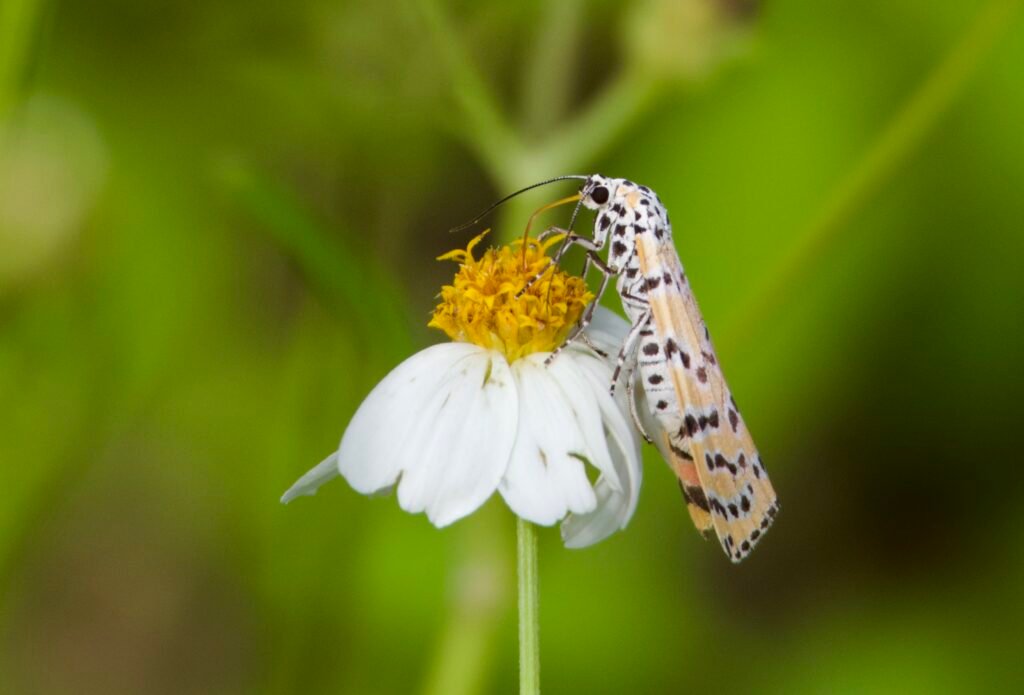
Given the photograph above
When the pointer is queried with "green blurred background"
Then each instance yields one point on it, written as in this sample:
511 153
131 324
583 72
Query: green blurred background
217 229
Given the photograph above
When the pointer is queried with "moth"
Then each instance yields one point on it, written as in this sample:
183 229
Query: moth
701 433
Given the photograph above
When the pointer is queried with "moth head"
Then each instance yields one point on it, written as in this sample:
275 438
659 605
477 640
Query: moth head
596 192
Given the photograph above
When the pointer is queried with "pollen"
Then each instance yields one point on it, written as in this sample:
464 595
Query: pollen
481 305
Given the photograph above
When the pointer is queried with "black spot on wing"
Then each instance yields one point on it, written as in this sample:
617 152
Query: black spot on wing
690 423
680 452
717 507
697 423
758 468
693 494
670 348
722 462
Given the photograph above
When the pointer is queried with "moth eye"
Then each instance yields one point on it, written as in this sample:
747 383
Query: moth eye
599 195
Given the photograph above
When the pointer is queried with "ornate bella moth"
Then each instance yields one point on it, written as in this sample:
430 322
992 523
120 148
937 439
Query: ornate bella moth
701 433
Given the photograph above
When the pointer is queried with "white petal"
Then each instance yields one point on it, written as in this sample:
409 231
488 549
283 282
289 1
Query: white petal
616 503
546 477
373 448
457 446
311 481
613 511
618 423
572 371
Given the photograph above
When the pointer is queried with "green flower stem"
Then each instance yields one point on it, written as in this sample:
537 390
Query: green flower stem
529 620
894 145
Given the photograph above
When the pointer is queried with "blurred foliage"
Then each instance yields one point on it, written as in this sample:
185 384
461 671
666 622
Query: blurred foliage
217 230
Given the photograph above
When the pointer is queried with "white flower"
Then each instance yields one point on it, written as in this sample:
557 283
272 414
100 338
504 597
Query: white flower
457 421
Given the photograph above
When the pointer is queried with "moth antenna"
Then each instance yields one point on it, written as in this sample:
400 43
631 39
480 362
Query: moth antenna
510 196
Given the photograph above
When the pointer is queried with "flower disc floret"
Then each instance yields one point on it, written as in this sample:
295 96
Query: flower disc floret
483 305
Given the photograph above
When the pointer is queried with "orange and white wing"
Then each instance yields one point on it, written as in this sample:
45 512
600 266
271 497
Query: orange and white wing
706 440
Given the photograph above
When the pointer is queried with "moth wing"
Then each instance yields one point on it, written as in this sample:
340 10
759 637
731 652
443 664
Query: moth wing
680 460
739 498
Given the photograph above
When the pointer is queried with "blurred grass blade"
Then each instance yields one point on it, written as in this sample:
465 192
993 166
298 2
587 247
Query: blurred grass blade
550 69
894 145
485 129
352 285
464 649
19 20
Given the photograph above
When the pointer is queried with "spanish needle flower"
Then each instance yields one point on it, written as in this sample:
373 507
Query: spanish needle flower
459 420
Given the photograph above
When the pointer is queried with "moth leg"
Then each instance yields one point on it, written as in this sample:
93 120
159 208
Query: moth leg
631 397
607 273
586 267
571 239
550 232
592 249
585 339
634 301
627 347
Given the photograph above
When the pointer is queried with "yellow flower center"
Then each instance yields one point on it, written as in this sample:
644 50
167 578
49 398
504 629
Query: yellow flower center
481 306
